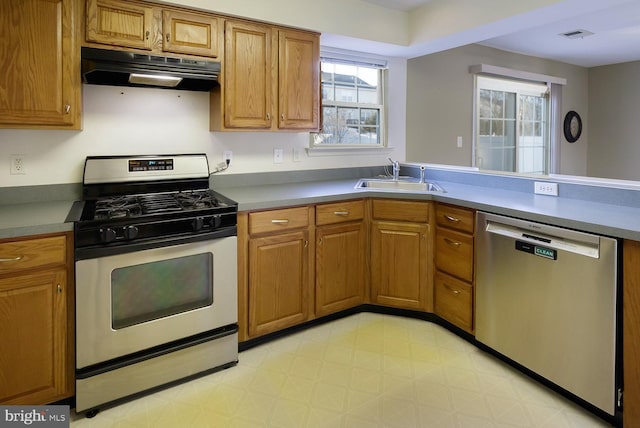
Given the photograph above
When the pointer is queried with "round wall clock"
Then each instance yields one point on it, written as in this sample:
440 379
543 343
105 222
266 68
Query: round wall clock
572 126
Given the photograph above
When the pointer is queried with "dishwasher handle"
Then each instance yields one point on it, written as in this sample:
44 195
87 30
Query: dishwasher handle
543 241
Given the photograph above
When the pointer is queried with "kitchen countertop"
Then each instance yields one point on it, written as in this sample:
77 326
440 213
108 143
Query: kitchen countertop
35 218
602 218
618 217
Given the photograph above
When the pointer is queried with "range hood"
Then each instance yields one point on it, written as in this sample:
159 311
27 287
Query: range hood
120 68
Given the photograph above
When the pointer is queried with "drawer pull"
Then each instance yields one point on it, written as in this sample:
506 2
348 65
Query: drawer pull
276 221
341 212
456 292
452 219
168 37
59 289
451 242
11 259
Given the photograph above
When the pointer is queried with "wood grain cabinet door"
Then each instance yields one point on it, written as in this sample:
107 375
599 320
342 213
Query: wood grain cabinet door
119 23
190 33
248 75
33 328
399 264
39 59
278 282
340 266
299 82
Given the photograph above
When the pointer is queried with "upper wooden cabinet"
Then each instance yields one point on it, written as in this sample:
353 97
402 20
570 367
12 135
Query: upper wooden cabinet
40 85
153 28
299 80
188 33
270 80
119 23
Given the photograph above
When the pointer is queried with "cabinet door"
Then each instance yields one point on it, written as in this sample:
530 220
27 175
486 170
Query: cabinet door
399 264
278 282
119 23
248 75
40 85
340 267
299 82
33 328
190 33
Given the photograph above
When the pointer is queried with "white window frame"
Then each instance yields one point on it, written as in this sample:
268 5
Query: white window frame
555 102
317 143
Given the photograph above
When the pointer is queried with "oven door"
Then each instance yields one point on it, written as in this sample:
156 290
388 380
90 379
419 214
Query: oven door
130 302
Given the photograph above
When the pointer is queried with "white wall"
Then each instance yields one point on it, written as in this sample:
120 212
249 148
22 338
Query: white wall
151 121
614 128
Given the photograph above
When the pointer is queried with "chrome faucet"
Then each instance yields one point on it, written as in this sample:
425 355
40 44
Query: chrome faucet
422 170
396 169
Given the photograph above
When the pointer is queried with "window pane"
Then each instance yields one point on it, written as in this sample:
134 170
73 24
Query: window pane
352 104
512 127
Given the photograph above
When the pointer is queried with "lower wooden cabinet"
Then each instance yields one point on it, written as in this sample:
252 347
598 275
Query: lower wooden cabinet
340 267
274 270
278 282
401 260
36 319
454 261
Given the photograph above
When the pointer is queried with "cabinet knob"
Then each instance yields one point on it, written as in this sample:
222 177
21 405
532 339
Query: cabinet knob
67 108
168 37
146 35
282 116
59 289
268 116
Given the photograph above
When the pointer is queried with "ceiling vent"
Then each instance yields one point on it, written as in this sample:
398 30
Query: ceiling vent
577 34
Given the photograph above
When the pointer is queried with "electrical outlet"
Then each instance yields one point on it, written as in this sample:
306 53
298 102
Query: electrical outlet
278 155
227 156
459 142
545 188
17 165
297 154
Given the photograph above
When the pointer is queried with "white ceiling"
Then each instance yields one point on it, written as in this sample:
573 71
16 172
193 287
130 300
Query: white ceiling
615 24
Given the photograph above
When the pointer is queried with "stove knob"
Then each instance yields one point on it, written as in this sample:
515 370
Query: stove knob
197 223
130 232
107 235
216 221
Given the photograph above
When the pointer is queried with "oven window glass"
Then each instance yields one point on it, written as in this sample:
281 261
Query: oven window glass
149 291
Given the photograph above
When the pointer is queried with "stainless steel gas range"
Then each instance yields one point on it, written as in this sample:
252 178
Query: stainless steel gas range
156 277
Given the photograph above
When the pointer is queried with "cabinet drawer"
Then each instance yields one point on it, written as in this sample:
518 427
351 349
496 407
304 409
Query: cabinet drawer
455 218
17 256
454 253
339 212
385 209
278 220
454 301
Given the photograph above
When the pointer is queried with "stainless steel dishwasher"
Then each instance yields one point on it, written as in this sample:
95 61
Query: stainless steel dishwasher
546 298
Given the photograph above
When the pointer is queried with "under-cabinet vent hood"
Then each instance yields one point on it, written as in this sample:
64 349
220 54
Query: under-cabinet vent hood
119 68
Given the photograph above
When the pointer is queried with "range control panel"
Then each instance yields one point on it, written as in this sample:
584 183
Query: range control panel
136 165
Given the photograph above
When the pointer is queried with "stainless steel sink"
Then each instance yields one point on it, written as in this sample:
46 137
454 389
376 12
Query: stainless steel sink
402 185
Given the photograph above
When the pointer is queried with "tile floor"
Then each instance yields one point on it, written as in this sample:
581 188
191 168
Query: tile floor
366 370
